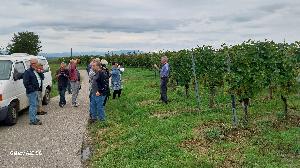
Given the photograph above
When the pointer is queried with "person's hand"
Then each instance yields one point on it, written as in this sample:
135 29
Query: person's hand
98 94
155 66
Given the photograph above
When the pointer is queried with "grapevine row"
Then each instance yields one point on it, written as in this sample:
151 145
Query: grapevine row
244 70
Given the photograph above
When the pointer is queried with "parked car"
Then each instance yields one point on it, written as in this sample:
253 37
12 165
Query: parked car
13 97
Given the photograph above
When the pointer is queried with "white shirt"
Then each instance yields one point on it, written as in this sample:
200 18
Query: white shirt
38 77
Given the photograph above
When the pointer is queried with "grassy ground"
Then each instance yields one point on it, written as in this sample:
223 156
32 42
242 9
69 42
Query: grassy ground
54 68
141 132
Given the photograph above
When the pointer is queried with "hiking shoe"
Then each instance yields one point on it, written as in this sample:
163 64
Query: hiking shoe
41 113
91 121
38 122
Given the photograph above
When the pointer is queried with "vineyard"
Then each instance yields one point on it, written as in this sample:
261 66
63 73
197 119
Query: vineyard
248 115
242 70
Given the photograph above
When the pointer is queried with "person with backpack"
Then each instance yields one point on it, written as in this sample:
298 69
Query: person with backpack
74 77
98 93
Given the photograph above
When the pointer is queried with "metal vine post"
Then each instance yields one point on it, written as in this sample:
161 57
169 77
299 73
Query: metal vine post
233 101
196 81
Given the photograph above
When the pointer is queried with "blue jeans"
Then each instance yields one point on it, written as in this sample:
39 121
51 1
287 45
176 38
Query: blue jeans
62 95
33 103
97 108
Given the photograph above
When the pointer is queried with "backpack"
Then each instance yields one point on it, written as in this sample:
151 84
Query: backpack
73 72
106 73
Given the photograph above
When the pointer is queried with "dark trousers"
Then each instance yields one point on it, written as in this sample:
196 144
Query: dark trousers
105 100
62 94
117 92
164 89
69 87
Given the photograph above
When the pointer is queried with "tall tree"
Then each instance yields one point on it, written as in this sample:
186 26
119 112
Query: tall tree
25 42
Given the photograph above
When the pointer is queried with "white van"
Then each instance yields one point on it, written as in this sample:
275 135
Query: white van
12 91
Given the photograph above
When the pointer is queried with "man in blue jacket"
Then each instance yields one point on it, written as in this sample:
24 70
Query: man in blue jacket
32 85
164 76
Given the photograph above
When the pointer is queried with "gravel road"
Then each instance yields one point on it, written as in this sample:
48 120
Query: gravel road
56 143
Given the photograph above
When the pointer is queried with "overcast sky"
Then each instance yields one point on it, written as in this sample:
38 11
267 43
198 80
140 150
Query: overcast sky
98 25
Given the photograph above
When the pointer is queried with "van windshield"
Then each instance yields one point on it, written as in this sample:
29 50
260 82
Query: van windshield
5 69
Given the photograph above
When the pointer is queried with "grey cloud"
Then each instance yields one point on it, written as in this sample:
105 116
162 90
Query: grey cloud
271 8
238 17
250 14
110 25
243 18
148 24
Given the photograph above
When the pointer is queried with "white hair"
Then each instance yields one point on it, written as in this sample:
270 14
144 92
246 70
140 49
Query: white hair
34 60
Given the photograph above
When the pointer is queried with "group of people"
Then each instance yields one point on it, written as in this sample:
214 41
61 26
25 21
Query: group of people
33 79
68 76
100 80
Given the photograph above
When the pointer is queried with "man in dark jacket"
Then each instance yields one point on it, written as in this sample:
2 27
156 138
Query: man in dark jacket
62 76
32 85
98 93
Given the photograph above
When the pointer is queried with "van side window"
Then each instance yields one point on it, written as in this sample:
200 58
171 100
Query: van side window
45 65
27 64
19 67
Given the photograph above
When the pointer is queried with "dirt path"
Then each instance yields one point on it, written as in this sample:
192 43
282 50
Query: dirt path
56 143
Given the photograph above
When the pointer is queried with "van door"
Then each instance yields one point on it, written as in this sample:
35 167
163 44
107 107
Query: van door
20 90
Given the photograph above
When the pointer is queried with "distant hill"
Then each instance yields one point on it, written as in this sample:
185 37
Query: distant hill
93 53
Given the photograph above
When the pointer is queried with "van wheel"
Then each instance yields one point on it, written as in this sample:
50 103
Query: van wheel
46 99
12 114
